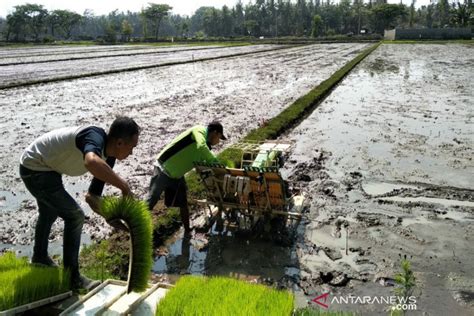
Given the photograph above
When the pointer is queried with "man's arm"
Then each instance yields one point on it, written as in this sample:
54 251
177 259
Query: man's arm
97 186
204 151
102 171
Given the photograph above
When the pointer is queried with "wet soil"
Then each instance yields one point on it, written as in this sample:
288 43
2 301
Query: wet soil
387 161
241 92
56 54
376 160
33 72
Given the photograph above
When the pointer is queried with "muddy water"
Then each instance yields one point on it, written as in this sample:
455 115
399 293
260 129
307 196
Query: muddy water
241 92
389 156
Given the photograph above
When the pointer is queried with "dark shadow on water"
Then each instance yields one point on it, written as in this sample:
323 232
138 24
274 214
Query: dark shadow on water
242 255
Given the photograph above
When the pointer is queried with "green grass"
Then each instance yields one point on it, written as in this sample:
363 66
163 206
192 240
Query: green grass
223 296
23 283
137 216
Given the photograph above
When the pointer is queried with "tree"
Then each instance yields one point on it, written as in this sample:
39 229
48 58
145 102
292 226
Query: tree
250 27
429 16
238 16
54 21
16 23
443 13
65 20
36 18
227 22
358 4
110 33
384 15
412 13
345 13
156 13
317 26
127 31
184 28
27 18
461 15
3 27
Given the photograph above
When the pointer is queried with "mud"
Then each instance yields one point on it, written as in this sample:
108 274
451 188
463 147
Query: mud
395 139
241 92
47 55
34 72
376 158
386 160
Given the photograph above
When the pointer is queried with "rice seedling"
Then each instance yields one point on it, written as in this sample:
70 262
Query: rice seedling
224 296
23 283
101 261
136 215
406 283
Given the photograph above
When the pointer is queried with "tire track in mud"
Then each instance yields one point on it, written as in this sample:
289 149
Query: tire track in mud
157 52
16 84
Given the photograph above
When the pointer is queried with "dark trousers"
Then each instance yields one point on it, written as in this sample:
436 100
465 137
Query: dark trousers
53 202
175 193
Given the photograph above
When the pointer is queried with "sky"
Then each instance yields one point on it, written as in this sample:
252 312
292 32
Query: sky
182 7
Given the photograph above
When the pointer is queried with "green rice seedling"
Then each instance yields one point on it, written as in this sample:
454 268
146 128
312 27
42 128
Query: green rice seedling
23 283
224 296
100 261
136 215
406 283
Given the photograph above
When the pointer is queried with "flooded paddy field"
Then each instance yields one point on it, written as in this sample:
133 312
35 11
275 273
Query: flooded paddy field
23 73
386 161
44 54
242 92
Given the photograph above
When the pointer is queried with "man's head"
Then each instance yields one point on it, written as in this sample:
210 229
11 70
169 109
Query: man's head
215 132
122 137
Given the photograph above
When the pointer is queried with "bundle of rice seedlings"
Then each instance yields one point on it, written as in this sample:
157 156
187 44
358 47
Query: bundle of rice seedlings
136 215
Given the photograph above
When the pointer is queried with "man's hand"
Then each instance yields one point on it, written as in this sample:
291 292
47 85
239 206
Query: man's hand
118 224
94 201
126 190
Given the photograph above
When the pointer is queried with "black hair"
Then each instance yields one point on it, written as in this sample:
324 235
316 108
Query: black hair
123 127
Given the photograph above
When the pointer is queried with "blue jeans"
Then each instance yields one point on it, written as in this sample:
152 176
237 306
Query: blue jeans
53 202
